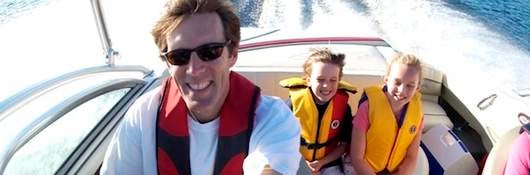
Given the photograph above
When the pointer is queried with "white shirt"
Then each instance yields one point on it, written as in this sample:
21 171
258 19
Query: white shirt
275 140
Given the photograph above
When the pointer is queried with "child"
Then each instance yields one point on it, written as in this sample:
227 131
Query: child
519 158
387 129
320 102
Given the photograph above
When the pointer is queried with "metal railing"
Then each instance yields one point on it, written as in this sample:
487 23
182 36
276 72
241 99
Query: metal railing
19 99
110 52
51 115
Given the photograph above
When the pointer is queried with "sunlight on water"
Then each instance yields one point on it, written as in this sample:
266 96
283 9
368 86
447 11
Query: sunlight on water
453 41
60 36
11 9
50 40
472 55
305 18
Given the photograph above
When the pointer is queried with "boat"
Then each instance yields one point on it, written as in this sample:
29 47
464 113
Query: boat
64 125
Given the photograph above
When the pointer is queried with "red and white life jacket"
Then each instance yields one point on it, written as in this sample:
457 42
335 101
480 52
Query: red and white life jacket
236 122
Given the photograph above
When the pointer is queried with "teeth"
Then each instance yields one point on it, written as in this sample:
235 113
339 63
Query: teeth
199 86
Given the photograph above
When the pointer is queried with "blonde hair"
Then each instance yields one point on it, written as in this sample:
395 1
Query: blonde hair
408 59
323 55
175 11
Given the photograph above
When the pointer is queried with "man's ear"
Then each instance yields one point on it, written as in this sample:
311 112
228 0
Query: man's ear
168 68
232 57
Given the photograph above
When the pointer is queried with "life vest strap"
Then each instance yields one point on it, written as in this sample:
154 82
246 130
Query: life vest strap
316 145
384 172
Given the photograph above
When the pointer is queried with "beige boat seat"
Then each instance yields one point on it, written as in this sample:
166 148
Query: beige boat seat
431 90
422 163
498 155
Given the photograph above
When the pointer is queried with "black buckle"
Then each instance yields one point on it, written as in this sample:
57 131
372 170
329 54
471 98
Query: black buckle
312 145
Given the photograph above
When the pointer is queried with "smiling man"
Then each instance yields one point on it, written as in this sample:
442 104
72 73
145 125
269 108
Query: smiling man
204 119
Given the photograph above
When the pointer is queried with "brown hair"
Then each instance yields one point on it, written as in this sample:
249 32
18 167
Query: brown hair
408 59
176 11
323 55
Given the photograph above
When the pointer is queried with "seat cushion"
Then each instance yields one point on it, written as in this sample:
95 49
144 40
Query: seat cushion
432 81
422 163
498 155
433 115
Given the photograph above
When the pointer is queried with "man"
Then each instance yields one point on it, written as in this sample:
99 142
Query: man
204 119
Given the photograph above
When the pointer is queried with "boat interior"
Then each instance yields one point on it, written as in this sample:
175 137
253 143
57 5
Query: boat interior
457 137
366 61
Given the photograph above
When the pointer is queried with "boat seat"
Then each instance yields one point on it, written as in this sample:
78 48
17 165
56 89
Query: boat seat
498 155
431 90
269 83
422 163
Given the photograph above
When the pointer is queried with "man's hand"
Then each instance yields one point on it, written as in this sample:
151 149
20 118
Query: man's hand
314 166
267 170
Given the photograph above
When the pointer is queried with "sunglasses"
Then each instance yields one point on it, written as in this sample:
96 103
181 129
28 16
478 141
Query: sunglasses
206 52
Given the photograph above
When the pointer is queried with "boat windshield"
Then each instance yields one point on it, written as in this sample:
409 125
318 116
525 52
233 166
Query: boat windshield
452 40
43 39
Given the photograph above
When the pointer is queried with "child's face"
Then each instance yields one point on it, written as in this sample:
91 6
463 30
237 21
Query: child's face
324 80
402 81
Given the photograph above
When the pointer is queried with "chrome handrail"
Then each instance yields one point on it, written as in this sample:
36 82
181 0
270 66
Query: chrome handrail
96 140
110 53
50 116
368 41
19 99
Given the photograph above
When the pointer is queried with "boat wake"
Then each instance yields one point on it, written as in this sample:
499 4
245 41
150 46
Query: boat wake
451 40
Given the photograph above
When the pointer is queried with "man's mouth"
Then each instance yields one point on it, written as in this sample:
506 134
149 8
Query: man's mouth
199 86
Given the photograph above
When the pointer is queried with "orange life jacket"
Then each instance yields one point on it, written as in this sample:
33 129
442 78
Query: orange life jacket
318 137
318 140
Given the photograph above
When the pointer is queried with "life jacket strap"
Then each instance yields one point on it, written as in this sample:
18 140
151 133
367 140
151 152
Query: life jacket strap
315 145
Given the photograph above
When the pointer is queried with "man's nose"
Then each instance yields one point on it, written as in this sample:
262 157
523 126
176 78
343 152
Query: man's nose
195 65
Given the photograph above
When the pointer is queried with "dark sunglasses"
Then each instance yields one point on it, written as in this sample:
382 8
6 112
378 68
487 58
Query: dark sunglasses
206 52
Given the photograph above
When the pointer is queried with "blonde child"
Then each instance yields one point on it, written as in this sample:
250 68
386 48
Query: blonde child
387 128
320 101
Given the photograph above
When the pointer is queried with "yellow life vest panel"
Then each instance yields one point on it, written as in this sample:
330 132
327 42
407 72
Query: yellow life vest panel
304 108
386 143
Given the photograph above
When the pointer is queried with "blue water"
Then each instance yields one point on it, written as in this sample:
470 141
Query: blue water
508 17
10 9
491 35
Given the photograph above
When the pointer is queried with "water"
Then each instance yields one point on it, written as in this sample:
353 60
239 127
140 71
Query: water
460 37
42 39
10 9
511 18
462 40
486 40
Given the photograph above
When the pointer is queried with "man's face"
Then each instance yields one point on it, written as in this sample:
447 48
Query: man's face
203 84
324 80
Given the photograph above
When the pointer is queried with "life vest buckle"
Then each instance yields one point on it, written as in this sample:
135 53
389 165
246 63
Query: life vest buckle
312 145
